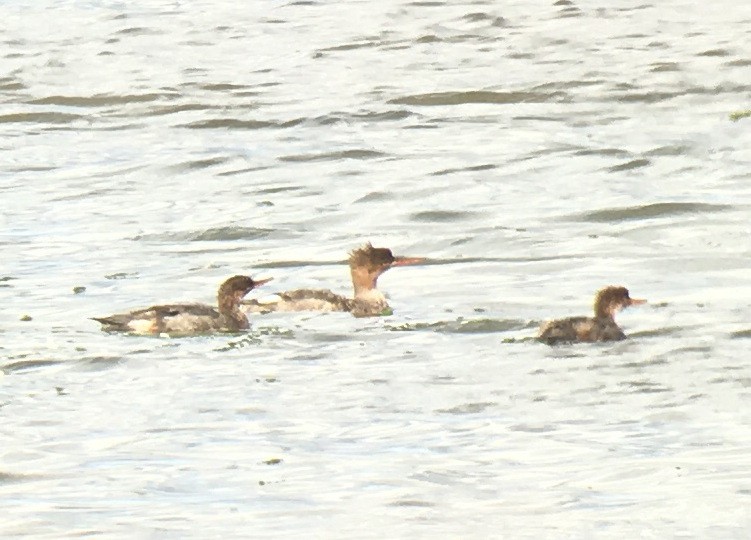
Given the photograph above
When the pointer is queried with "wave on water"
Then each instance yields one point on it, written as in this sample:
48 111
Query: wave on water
208 235
466 326
26 365
478 96
232 123
440 216
101 100
648 211
334 156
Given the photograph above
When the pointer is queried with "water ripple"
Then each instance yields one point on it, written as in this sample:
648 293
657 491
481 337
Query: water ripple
208 235
633 164
656 210
441 216
469 326
40 118
478 96
26 365
101 100
230 123
334 156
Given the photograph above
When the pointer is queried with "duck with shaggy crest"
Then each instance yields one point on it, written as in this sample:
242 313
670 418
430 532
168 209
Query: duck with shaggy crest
366 264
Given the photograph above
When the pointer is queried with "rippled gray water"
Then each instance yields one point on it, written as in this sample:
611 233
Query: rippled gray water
534 151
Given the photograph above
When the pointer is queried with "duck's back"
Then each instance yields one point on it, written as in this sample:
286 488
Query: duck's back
301 300
167 319
580 329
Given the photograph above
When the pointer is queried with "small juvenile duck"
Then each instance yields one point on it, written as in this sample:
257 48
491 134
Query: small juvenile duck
601 327
189 319
366 264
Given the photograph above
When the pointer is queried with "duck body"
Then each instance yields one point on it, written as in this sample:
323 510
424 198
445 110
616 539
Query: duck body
366 265
301 300
601 327
581 329
174 319
188 319
368 304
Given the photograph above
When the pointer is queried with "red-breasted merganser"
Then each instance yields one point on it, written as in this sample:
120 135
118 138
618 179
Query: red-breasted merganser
188 319
366 264
601 327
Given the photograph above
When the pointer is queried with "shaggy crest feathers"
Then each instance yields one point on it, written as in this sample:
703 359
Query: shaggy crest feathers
371 257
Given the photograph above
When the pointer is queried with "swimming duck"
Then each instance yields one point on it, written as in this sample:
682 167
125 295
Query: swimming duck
366 264
601 327
187 319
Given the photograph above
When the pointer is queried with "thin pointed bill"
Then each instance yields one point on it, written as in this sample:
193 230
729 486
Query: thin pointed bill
406 261
637 301
259 282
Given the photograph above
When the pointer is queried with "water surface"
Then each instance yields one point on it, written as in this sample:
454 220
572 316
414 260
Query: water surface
533 151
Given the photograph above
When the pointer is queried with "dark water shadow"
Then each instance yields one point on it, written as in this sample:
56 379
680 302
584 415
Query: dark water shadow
462 326
468 408
101 100
659 332
40 118
629 165
214 234
647 211
441 216
255 336
376 196
641 387
334 156
472 168
14 478
411 503
28 365
99 363
230 123
477 97
174 109
198 164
